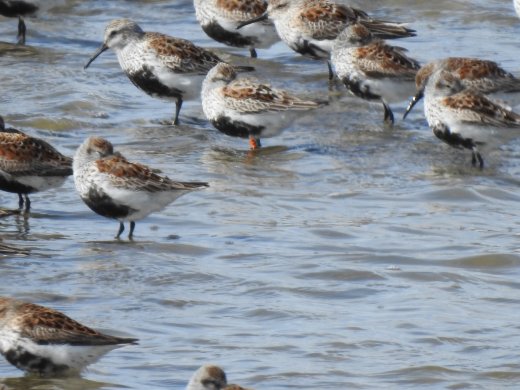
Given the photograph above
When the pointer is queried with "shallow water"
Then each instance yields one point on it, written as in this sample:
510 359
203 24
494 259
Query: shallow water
343 255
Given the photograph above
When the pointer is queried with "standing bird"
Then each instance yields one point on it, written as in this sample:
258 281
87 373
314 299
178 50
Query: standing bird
486 77
18 9
210 377
160 65
40 340
115 188
29 165
373 70
245 108
220 18
309 27
465 118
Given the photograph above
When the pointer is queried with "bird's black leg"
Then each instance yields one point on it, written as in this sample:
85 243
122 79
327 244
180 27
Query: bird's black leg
178 105
389 115
476 156
252 51
331 72
20 201
21 31
27 202
121 229
132 227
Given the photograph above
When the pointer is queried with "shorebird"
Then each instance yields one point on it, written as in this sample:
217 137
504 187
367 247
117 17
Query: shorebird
486 77
40 340
29 165
220 18
115 188
465 118
372 69
309 27
210 377
160 65
246 108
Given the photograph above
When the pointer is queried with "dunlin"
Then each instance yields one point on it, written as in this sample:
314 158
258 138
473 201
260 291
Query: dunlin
248 109
486 77
310 27
160 65
210 377
466 119
115 188
44 341
373 70
220 19
29 164
18 9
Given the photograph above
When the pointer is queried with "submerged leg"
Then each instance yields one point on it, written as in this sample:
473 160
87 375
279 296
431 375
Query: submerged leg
27 202
331 72
389 115
254 142
21 31
132 227
178 105
121 229
476 156
252 51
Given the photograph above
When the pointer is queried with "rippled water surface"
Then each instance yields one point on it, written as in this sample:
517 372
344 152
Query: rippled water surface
343 255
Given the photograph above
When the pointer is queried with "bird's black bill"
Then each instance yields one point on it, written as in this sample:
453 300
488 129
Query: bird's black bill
418 96
254 20
96 55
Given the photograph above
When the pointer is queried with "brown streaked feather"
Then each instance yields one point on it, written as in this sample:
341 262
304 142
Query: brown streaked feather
124 174
21 154
381 60
254 98
48 326
242 9
181 55
484 110
326 19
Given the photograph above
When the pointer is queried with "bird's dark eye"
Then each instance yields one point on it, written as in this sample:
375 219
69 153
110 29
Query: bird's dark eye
112 34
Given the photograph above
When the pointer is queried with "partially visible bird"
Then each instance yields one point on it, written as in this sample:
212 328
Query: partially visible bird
18 9
44 341
465 118
309 27
372 69
29 165
486 77
220 18
209 377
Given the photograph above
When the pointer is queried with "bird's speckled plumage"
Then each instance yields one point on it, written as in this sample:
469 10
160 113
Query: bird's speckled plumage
160 65
372 69
220 19
116 188
246 108
45 341
309 27
465 118
486 77
29 164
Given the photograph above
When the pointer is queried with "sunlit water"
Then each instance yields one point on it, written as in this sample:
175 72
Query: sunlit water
344 255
